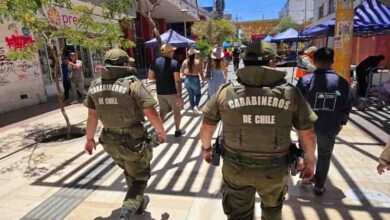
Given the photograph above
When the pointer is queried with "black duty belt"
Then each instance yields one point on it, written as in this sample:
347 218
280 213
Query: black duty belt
118 130
248 161
192 75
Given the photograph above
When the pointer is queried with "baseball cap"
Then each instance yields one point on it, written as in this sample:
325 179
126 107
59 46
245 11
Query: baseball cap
261 49
117 56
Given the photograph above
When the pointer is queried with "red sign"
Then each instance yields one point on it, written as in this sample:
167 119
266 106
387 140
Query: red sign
258 36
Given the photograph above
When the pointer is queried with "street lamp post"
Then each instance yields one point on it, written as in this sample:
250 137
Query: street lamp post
184 11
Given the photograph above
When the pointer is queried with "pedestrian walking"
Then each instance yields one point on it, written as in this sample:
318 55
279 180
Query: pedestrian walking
305 62
65 77
330 97
192 70
384 159
217 71
120 101
236 58
166 71
258 112
76 77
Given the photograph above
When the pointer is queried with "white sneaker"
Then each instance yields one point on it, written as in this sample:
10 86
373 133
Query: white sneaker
196 111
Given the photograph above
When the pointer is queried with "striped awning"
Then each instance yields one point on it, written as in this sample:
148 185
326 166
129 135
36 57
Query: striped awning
372 12
371 18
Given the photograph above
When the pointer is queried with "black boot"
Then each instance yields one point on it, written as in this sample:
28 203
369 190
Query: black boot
127 214
143 205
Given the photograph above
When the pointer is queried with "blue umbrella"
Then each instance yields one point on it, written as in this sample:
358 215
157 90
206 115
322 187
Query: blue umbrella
173 38
268 38
226 44
288 35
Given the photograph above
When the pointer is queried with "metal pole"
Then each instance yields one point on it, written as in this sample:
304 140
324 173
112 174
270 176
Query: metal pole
185 30
327 37
343 38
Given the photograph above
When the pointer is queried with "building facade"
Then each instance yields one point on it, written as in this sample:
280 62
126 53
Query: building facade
299 10
326 9
257 29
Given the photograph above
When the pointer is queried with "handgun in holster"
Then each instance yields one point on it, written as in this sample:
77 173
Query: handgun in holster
294 155
217 151
152 139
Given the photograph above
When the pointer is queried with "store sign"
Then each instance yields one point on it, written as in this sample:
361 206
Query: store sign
60 17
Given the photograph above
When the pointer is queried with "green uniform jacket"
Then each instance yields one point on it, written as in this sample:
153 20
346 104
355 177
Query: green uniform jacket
258 112
119 98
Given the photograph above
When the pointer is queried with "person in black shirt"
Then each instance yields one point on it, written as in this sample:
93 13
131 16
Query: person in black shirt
330 97
65 77
363 70
236 58
166 71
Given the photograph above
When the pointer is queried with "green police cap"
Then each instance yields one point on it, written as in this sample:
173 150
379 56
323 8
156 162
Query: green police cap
260 49
116 56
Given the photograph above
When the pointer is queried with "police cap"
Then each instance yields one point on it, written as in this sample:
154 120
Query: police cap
259 50
116 56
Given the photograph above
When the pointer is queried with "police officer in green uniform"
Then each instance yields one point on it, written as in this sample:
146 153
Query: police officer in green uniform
258 112
120 101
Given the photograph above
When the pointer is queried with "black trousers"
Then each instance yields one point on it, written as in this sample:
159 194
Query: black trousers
325 145
66 84
362 78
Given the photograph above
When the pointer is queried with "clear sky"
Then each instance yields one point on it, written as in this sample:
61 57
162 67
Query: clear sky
250 9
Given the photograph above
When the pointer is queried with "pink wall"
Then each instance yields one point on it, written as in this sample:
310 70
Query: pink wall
364 47
368 46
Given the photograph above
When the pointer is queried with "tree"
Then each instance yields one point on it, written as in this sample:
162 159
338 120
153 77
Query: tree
96 27
149 11
204 48
214 31
284 24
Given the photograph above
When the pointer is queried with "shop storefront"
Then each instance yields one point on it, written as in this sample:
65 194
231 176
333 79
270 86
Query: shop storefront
92 62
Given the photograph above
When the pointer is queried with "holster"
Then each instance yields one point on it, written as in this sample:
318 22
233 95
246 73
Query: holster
294 155
218 151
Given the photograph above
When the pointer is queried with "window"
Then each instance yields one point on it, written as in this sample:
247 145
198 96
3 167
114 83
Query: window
321 11
332 7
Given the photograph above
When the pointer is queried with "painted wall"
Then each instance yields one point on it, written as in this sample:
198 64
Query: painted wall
368 46
363 47
21 81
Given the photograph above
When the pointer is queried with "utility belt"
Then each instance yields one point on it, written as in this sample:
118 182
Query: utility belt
291 158
135 138
254 162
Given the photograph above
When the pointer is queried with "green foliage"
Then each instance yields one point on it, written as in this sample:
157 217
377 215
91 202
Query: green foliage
284 24
245 39
91 31
204 48
27 53
214 31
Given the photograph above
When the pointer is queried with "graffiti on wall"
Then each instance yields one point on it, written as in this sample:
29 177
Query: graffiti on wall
17 70
13 71
19 40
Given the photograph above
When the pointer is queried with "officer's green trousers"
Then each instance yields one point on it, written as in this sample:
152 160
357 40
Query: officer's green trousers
136 167
242 182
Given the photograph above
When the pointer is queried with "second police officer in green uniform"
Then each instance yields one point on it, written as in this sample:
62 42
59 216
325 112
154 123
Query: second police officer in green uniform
258 112
120 101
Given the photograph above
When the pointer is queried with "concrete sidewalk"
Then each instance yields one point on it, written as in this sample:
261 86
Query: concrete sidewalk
60 181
